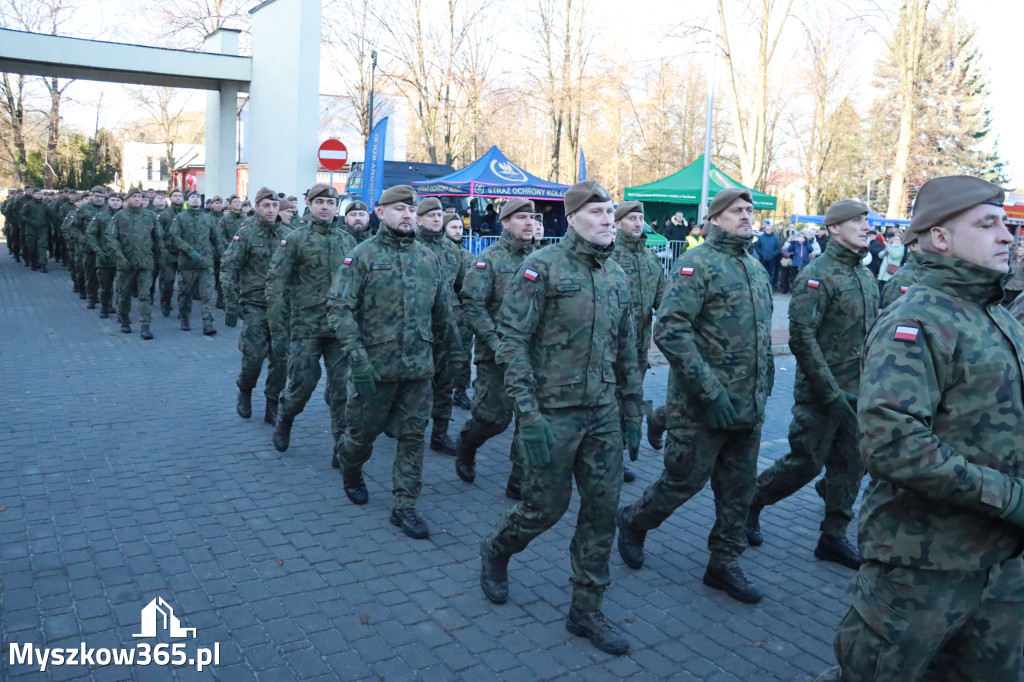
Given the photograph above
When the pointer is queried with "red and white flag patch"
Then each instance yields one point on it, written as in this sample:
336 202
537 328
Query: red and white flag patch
284 242
530 274
347 261
481 264
686 271
813 283
234 239
903 290
904 333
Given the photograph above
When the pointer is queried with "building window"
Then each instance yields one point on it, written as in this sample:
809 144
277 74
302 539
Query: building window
149 167
163 170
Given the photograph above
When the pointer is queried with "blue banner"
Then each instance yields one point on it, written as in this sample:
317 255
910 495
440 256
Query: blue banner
373 164
583 167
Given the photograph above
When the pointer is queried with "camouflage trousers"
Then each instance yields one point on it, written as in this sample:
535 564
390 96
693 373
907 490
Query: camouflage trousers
692 457
304 374
85 260
401 407
168 271
254 342
13 237
816 440
588 448
462 373
491 412
71 261
127 281
911 624
34 247
105 281
190 281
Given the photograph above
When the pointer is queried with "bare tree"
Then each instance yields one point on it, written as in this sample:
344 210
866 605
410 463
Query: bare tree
13 123
166 107
186 23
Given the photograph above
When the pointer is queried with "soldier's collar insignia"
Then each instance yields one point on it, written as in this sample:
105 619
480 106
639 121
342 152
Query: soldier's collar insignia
530 274
904 333
481 264
284 242
347 261
686 271
813 283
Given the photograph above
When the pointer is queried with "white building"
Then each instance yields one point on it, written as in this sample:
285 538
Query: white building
145 164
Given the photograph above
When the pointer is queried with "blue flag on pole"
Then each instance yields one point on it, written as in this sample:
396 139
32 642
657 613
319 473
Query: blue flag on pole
583 167
373 164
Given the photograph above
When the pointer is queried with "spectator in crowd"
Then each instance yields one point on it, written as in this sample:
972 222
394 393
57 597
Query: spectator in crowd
822 238
675 228
890 259
876 244
695 238
798 250
768 251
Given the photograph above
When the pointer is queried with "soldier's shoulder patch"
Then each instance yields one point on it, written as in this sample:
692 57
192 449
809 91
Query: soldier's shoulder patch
903 289
481 264
347 261
284 242
688 271
906 333
813 283
235 238
530 274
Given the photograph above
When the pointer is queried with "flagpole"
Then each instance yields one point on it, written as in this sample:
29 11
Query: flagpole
705 175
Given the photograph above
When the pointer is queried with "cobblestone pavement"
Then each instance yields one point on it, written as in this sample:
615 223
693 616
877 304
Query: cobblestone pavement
126 475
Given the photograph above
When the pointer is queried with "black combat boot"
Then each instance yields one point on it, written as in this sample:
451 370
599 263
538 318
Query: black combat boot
410 522
270 413
126 326
460 399
440 441
839 550
43 268
730 579
165 308
628 475
146 334
631 540
185 326
513 490
753 526
465 462
244 406
208 330
81 295
493 574
91 305
220 301
104 311
819 487
655 435
595 627
355 487
283 433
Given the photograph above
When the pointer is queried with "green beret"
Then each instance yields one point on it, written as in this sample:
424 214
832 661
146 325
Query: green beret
265 193
285 205
724 199
99 189
844 210
174 191
193 193
114 195
627 207
429 204
940 199
131 191
321 190
450 216
513 206
582 193
216 198
355 206
403 194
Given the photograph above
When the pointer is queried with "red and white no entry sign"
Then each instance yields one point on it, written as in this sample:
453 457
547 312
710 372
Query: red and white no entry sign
332 155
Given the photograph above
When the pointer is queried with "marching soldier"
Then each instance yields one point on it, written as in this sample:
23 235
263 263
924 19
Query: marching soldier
106 262
834 304
198 243
453 228
714 327
357 221
35 221
169 266
135 239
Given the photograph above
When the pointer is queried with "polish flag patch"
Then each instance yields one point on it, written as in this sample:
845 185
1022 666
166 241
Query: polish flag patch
686 271
908 334
903 290
235 238
347 261
480 264
530 274
813 283
284 242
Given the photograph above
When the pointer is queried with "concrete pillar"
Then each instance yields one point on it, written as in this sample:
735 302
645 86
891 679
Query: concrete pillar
220 121
284 97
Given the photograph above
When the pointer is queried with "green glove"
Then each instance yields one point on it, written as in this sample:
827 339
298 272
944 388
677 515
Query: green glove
1014 509
230 317
364 376
632 435
536 441
843 412
721 413
195 256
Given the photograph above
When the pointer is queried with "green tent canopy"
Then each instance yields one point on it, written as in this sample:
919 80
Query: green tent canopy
683 187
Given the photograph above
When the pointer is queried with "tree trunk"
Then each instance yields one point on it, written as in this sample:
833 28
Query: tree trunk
52 132
910 37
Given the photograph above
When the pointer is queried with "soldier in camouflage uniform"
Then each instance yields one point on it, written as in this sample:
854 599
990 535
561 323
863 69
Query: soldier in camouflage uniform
904 278
95 238
357 221
135 239
388 304
35 223
169 266
16 230
1016 308
646 281
941 526
452 225
714 327
834 304
10 223
483 291
567 341
430 233
244 277
85 259
197 240
69 239
300 276
228 225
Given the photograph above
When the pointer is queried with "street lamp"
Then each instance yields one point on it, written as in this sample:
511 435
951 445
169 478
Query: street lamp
373 69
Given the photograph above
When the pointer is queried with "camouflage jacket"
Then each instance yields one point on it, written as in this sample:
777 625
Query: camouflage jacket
166 217
1017 308
359 235
483 290
195 230
96 238
77 222
229 225
33 215
834 303
135 237
714 327
901 282
447 253
300 275
243 273
566 331
58 210
940 413
389 301
646 286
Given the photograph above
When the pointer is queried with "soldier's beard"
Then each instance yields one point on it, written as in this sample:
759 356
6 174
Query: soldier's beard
404 228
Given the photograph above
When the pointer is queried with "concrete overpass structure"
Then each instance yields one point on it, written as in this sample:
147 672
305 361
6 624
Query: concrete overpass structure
282 78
